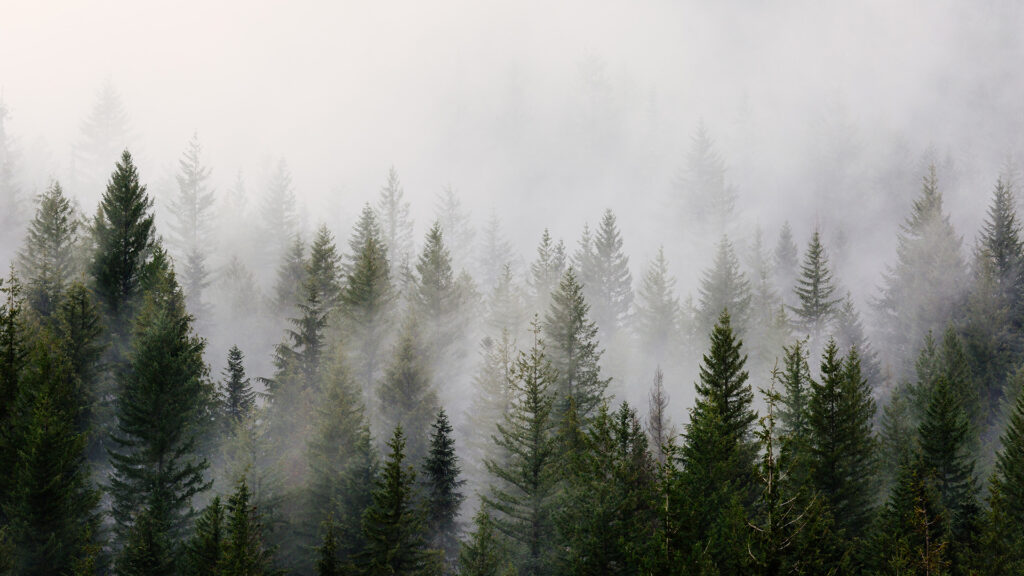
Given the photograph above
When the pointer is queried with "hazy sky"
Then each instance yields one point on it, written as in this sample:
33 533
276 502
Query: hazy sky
525 104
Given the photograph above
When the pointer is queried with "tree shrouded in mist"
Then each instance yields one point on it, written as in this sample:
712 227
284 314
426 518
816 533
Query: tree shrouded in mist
48 261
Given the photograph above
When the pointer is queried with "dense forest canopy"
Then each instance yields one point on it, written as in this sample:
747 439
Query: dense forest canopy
666 289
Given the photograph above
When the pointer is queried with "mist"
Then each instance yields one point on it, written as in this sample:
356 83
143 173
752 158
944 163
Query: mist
531 116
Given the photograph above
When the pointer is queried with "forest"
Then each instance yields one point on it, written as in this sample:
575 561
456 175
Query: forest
372 297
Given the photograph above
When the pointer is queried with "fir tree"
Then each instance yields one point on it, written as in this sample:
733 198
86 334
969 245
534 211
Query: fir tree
505 305
522 500
148 550
926 284
1004 538
239 399
278 212
849 334
547 270
292 273
443 488
124 236
327 562
659 429
707 199
606 279
657 310
191 227
79 333
396 224
244 552
455 221
405 394
575 352
786 262
50 504
717 456
48 261
911 536
816 305
205 549
435 296
840 412
10 195
483 554
794 407
724 287
323 269
164 393
104 133
495 253
392 526
490 402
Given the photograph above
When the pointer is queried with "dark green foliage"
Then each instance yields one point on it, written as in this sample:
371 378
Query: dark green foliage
204 551
51 505
522 499
849 333
47 261
483 554
717 457
842 448
723 287
911 536
244 552
164 395
147 550
443 489
406 395
816 302
574 350
392 525
238 397
13 347
327 562
606 516
1004 538
124 236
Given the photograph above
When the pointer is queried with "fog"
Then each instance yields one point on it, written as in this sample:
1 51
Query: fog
541 114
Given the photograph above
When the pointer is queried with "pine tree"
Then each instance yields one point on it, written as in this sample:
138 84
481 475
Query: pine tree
925 286
292 273
606 280
723 287
911 536
124 237
849 334
435 296
505 305
707 199
495 253
546 271
392 526
405 394
483 554
191 227
658 311
1000 244
786 260
341 461
659 429
324 268
443 488
606 517
395 221
11 207
574 350
164 395
205 549
47 261
327 562
522 499
840 412
794 407
816 305
490 402
455 222
148 550
239 399
104 133
245 553
367 298
278 212
13 345
79 331
1004 539
717 456
50 504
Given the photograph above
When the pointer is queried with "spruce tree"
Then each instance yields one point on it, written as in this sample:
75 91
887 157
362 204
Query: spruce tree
793 410
11 203
396 224
717 457
723 287
707 200
495 253
405 394
79 334
278 213
191 227
522 500
925 285
1004 539
48 260
484 554
842 454
504 305
574 350
443 489
164 394
607 281
658 311
659 430
816 302
292 272
912 534
490 402
546 271
455 221
49 502
104 133
205 549
244 551
323 269
239 399
786 261
327 562
436 298
392 525
124 237
849 333
366 299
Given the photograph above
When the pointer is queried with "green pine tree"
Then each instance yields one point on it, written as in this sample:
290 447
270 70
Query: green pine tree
1004 535
392 525
546 271
244 551
238 397
723 287
484 554
406 394
443 488
816 302
574 350
786 260
522 500
278 213
606 280
658 311
48 260
204 551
